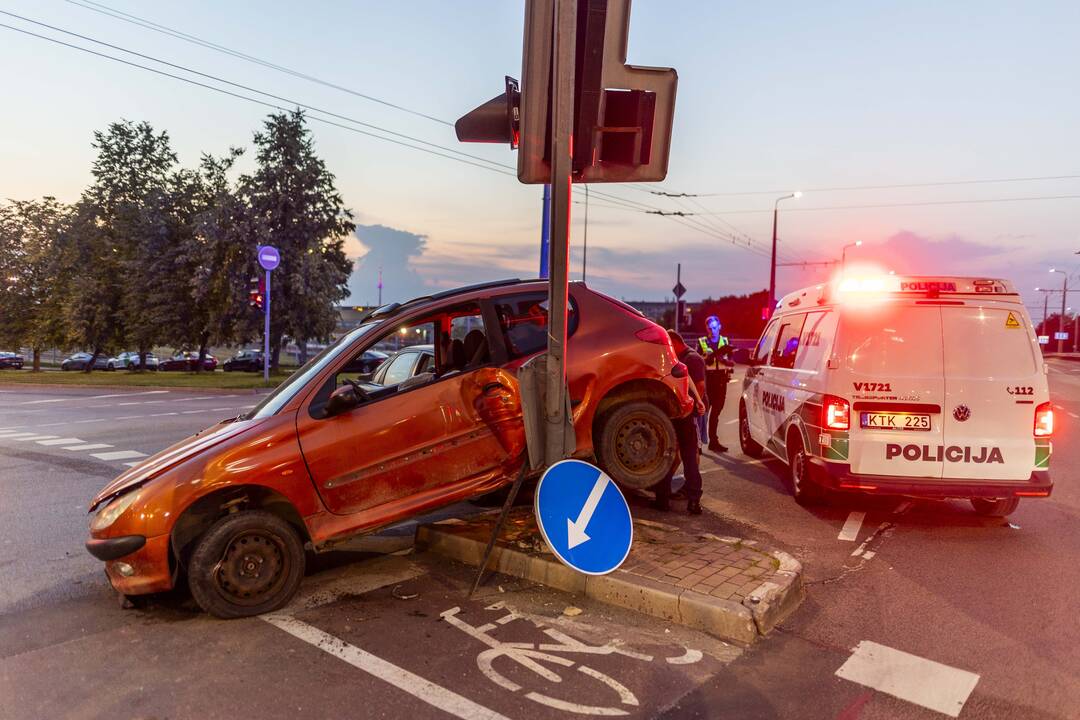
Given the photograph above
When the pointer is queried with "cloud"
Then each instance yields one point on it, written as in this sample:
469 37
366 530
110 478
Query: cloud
391 251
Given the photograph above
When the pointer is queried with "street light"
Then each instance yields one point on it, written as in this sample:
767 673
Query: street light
843 252
772 265
1064 294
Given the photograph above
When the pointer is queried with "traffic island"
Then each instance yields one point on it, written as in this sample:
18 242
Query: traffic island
726 586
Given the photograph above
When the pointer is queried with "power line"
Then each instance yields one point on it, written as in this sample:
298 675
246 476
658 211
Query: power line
849 188
186 37
895 205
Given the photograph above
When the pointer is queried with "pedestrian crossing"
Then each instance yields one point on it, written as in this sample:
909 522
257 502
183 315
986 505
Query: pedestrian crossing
107 453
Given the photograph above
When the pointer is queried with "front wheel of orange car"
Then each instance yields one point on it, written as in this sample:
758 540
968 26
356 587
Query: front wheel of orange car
636 444
247 563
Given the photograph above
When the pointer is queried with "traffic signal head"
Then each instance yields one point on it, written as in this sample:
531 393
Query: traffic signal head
256 292
496 121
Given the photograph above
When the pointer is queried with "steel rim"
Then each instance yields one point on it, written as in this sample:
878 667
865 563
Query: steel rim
638 445
253 567
798 468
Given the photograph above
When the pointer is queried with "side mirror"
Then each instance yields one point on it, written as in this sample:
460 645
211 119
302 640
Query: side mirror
342 400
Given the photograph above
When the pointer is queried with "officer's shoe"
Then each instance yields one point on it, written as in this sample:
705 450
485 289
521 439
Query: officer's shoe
717 447
693 507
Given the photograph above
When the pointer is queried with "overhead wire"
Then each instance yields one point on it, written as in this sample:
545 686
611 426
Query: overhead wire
895 186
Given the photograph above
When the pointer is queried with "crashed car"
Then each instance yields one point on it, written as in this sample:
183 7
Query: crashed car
334 452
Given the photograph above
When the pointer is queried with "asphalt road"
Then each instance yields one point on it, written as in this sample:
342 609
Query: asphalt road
376 634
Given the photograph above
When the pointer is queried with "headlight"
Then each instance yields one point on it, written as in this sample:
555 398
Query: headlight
107 515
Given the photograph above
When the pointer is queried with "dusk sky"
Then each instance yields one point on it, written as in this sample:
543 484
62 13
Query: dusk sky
772 97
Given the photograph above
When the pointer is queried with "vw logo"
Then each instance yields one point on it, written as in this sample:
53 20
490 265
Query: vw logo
961 413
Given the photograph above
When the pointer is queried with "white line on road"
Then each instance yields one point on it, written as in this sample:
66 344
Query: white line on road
1073 415
424 690
13 436
118 455
133 464
128 417
851 527
163 414
61 441
89 446
91 420
39 402
909 677
36 437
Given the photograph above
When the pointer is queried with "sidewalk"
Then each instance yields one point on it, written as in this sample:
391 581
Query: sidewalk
726 586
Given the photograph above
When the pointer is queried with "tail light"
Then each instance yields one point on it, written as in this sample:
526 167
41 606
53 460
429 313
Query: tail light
1044 420
654 334
835 413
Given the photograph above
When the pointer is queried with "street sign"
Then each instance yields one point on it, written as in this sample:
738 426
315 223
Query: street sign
1044 339
679 290
584 517
269 257
1061 336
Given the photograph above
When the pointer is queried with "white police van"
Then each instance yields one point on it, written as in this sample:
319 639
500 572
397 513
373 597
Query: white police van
916 386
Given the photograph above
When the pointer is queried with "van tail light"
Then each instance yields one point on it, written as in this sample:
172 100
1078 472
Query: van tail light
835 413
1044 420
654 334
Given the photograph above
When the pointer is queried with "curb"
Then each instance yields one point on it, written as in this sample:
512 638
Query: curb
772 602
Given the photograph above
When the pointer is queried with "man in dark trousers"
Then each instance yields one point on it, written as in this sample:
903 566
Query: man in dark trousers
717 351
686 433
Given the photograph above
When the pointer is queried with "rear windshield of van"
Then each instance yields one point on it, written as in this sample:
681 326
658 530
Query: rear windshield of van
986 343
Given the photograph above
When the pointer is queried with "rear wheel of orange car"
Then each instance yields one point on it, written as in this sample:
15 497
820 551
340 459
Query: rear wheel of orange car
247 563
636 444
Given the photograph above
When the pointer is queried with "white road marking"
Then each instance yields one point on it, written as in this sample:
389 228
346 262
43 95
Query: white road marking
36 437
91 420
219 409
61 441
90 446
192 412
133 464
851 527
118 455
424 690
13 436
1073 415
39 402
128 417
909 677
163 414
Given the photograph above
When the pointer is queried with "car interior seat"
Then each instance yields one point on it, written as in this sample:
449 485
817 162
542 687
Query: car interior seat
476 349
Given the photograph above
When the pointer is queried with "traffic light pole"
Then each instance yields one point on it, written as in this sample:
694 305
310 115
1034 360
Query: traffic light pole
562 124
266 332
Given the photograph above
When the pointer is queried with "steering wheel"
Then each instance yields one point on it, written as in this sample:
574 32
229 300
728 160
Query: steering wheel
359 389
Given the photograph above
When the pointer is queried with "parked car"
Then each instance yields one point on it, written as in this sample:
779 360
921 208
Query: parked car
130 361
245 360
330 454
11 360
187 361
80 360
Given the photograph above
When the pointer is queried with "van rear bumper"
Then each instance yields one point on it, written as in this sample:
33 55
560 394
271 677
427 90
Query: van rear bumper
838 477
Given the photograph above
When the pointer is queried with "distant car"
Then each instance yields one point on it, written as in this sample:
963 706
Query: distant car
402 365
244 361
130 361
11 360
80 360
187 361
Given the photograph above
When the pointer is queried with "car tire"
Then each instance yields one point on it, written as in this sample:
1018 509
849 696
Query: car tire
995 508
236 545
800 483
746 441
636 444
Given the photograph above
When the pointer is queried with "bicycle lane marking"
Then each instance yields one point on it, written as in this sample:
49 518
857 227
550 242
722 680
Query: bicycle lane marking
425 690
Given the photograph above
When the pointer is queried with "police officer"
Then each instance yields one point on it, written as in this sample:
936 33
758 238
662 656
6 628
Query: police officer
686 433
716 350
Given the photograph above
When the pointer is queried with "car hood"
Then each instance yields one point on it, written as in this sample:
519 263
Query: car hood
174 455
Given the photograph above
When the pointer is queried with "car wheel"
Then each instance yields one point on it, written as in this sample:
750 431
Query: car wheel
746 441
636 444
995 508
801 485
246 564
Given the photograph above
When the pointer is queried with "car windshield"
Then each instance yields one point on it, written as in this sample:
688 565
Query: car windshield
287 390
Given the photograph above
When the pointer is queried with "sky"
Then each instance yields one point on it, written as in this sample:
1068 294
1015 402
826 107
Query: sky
772 97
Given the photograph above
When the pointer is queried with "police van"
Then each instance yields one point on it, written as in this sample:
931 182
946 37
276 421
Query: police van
915 386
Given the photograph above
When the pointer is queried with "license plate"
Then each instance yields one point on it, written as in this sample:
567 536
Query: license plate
894 421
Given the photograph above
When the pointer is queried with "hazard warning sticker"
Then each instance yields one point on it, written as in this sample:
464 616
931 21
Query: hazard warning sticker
1012 322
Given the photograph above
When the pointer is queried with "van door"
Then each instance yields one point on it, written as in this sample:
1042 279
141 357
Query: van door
993 384
755 382
892 373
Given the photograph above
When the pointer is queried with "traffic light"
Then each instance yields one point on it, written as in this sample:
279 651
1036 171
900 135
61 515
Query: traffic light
256 292
622 113
684 314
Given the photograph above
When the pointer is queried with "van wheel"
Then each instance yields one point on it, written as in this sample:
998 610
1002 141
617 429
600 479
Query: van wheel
247 563
746 441
636 445
995 508
801 485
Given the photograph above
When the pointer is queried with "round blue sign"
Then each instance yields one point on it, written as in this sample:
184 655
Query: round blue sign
584 517
269 257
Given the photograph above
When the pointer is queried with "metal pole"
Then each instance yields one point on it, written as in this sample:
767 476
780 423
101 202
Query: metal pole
678 281
1046 304
545 231
380 287
772 265
1061 322
562 124
266 332
585 245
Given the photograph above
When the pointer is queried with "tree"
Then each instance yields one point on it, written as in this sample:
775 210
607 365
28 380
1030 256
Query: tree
291 202
30 308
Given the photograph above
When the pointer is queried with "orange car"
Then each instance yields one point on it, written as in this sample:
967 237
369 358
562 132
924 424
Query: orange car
334 452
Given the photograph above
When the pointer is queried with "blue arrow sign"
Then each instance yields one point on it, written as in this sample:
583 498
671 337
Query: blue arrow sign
584 517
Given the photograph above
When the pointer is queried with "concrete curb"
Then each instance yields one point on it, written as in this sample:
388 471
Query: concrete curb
763 609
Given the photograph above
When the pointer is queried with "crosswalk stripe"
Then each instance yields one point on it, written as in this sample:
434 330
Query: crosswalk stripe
118 455
36 437
133 464
61 441
13 436
89 446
